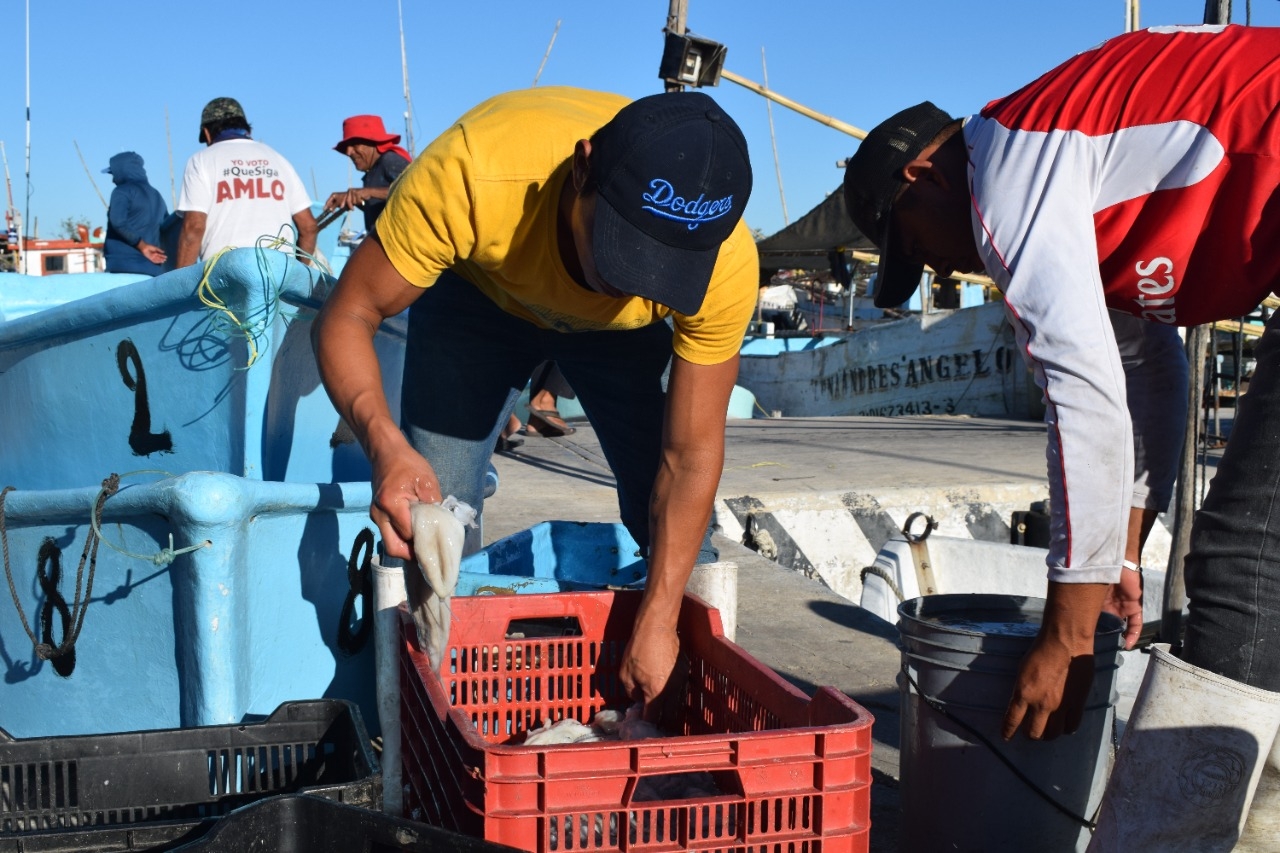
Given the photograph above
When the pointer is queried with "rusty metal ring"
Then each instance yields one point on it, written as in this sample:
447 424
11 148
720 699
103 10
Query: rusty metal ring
929 526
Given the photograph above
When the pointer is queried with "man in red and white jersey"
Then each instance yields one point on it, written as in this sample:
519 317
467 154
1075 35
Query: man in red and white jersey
1138 178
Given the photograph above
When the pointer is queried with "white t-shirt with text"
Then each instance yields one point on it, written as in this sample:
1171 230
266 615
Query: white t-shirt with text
246 188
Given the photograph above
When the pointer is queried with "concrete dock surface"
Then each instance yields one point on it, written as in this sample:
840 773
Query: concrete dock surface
782 458
790 619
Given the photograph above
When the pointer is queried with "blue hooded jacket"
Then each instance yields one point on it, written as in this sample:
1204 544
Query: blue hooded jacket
136 213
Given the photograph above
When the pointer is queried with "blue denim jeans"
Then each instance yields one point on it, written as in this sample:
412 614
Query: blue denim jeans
467 361
1233 569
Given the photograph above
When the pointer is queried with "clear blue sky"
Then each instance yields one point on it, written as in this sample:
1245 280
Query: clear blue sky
103 75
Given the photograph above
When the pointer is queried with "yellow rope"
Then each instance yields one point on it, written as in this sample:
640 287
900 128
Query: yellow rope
282 241
213 301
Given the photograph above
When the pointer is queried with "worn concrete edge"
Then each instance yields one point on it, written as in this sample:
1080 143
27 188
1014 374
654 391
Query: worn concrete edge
814 638
852 650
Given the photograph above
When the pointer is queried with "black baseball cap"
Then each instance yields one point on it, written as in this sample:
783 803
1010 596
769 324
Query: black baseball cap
873 179
672 177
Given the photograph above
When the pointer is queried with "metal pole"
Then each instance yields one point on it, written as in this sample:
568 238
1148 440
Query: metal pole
1217 11
1175 590
850 296
677 13
1215 382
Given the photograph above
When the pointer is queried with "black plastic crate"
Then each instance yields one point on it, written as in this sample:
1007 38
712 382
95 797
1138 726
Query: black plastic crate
150 790
305 824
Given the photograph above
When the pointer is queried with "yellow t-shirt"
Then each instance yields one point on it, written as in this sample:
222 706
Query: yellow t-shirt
481 200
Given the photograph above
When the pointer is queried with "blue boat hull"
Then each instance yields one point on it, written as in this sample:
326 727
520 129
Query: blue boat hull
232 629
149 376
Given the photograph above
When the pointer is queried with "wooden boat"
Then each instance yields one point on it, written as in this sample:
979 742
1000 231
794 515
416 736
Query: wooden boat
956 362
843 356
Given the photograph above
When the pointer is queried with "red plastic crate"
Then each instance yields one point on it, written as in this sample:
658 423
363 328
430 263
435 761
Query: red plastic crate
794 772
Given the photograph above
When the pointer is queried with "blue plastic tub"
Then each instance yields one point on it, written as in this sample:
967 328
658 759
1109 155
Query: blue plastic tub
253 619
555 556
148 376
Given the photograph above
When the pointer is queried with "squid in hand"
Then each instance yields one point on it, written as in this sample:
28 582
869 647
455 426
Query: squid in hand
438 534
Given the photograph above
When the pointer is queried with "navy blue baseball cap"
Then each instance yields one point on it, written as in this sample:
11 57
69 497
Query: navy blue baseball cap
672 177
872 181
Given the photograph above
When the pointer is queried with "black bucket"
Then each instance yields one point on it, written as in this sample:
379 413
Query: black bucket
958 795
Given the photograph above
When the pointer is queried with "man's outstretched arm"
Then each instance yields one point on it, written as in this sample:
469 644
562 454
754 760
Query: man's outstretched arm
679 511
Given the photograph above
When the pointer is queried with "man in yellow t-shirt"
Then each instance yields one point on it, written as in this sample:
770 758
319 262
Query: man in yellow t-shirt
563 224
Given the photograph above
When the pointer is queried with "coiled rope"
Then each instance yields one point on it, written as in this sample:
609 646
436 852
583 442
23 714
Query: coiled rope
79 604
253 327
73 620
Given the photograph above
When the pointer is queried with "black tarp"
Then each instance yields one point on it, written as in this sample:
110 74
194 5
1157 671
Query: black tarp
806 243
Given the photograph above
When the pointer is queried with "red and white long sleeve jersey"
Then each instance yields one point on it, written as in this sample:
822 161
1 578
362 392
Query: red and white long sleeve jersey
1140 176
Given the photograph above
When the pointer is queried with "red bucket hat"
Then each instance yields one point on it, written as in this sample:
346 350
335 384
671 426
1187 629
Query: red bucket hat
367 129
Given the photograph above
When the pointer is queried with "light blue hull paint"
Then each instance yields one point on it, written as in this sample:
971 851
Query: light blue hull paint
69 413
21 295
753 345
742 404
226 631
971 296
554 556
958 362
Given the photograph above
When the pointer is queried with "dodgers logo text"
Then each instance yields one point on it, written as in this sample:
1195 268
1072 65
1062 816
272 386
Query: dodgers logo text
663 201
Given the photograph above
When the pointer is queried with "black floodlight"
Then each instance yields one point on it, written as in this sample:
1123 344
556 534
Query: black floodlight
691 61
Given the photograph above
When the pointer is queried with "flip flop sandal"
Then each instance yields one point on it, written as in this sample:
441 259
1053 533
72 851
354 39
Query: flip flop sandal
547 423
509 443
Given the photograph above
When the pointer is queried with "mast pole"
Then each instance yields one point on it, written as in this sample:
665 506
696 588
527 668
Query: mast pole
168 141
22 239
550 44
92 182
11 215
404 71
1132 16
777 164
8 185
